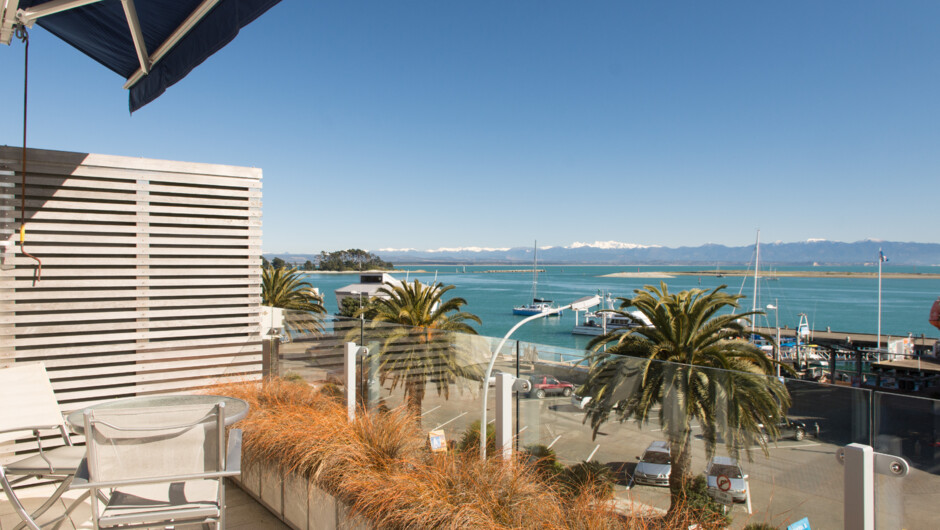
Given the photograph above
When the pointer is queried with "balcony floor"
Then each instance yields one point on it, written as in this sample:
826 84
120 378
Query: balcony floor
242 511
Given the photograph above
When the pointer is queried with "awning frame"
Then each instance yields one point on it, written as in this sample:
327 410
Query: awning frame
12 15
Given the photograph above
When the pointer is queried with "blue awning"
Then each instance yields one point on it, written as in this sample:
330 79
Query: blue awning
151 43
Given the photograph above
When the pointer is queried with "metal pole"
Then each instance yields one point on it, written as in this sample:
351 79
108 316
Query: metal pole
777 323
504 415
878 343
756 280
517 397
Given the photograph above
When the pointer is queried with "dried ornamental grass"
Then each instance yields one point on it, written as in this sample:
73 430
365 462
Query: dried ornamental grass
380 467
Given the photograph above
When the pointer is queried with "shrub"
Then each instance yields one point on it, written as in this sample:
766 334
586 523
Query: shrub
544 461
470 440
760 526
587 477
333 391
294 377
701 506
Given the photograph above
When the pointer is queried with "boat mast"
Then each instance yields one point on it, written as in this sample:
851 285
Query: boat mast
535 271
756 279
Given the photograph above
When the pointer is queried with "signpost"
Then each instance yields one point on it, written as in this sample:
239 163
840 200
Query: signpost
722 495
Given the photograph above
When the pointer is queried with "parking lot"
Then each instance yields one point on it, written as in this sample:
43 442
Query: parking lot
797 479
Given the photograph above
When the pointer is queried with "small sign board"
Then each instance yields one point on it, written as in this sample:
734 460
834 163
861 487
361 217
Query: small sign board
437 441
802 524
724 483
723 497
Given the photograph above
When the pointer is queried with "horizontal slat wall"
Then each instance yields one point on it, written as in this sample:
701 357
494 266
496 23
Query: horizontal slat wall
150 273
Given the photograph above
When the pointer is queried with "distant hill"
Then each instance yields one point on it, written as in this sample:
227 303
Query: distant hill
800 253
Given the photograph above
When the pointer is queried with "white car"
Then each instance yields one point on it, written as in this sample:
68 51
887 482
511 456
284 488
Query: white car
655 466
725 474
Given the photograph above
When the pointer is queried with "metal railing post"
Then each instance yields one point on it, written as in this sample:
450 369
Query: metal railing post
349 369
861 464
859 507
504 415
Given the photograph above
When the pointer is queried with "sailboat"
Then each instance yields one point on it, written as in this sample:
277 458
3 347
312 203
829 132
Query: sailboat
538 305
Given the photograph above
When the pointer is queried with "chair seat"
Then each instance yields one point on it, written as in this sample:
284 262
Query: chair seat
184 501
65 461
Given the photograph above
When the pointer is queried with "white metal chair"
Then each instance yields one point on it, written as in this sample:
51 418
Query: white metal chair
159 466
29 407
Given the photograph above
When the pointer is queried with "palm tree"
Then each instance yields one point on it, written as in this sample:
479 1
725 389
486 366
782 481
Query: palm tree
285 288
421 346
693 364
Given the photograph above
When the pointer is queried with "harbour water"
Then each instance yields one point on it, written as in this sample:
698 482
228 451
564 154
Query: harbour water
840 304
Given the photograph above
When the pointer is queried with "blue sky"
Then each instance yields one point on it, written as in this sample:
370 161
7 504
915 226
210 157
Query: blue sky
427 124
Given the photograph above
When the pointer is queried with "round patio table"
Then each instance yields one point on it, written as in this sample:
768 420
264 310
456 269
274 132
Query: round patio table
235 409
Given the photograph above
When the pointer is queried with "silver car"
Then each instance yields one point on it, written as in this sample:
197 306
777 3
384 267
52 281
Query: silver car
727 469
655 466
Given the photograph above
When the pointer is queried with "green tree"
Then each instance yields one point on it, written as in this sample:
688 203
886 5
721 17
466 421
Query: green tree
422 348
350 308
278 263
690 364
265 264
308 265
353 259
285 288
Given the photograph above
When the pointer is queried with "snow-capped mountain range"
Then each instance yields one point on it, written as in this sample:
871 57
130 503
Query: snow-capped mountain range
818 251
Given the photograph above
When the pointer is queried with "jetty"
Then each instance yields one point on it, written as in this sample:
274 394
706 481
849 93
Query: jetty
848 339
815 274
494 271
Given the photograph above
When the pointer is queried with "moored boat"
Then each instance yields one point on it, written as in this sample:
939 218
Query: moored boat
538 305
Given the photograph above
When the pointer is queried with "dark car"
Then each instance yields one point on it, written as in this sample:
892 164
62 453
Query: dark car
543 385
793 428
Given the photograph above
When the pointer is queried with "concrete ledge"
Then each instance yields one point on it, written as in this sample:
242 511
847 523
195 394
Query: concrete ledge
295 501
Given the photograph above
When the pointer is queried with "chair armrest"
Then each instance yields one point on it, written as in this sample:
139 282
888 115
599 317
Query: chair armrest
233 455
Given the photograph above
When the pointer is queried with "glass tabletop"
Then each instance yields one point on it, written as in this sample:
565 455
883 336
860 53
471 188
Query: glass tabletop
235 409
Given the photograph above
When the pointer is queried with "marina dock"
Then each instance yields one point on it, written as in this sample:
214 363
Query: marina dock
922 344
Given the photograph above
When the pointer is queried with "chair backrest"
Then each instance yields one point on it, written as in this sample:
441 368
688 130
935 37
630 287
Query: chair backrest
27 399
155 442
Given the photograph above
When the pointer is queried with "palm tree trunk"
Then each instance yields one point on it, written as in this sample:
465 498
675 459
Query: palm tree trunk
680 451
414 395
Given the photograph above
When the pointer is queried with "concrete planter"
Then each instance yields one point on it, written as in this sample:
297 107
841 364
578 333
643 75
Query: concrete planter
295 501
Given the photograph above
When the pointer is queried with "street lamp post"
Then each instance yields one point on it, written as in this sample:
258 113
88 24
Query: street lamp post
777 323
580 304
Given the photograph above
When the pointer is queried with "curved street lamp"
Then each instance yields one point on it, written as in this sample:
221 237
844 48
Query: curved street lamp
580 304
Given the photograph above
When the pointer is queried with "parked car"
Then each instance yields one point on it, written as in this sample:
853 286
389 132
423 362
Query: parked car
726 468
654 466
793 428
543 385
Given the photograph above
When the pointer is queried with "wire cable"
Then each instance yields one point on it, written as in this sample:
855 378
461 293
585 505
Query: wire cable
23 35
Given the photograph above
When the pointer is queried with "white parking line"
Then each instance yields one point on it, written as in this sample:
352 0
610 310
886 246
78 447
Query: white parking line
430 410
592 453
810 444
553 441
450 420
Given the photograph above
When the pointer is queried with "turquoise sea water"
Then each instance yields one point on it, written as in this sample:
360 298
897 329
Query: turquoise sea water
843 304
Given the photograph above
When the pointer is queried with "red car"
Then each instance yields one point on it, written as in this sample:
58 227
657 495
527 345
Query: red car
543 385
